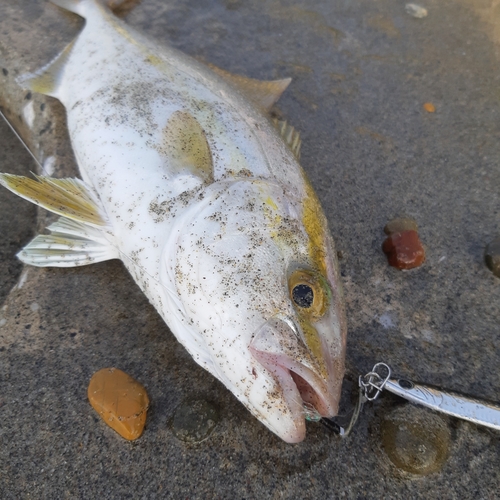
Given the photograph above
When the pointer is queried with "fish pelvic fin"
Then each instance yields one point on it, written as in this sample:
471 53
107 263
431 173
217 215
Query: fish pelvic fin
47 79
263 93
71 198
71 244
289 135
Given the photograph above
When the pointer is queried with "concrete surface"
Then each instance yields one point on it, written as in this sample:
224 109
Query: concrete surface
361 74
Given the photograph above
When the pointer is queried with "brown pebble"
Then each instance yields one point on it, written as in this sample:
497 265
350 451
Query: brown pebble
400 224
121 401
429 107
404 250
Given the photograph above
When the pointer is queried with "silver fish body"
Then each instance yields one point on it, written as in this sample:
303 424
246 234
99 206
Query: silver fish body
186 179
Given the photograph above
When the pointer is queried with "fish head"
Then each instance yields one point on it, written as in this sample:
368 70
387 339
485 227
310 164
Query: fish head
257 281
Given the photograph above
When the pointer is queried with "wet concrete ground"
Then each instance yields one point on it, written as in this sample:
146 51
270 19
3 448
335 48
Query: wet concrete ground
362 72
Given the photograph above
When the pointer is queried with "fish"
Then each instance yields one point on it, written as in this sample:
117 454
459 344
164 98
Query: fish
187 179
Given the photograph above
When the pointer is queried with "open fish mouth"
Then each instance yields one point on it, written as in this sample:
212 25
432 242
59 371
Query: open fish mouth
278 347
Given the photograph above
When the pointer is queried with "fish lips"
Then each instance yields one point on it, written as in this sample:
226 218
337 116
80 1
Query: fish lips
278 347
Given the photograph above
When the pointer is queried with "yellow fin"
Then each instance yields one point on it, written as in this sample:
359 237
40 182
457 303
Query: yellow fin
290 136
47 79
68 197
261 92
185 145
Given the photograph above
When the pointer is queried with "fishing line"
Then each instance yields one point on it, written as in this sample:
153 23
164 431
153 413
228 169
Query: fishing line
22 142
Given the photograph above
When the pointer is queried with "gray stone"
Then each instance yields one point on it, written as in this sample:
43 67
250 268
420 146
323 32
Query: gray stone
492 256
194 420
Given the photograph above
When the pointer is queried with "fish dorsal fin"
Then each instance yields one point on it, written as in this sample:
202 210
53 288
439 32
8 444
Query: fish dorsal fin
71 198
261 92
289 135
48 78
70 244
185 145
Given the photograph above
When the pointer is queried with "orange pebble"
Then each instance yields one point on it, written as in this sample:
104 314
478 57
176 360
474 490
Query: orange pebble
429 107
404 250
120 400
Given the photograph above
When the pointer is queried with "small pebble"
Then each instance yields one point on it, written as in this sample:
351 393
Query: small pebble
403 247
492 256
194 420
429 107
415 439
121 401
416 10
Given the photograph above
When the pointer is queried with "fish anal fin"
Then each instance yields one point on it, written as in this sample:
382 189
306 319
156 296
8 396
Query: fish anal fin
48 78
261 92
289 135
70 244
67 197
185 145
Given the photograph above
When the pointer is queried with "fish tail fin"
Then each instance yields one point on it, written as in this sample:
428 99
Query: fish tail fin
76 6
48 79
79 6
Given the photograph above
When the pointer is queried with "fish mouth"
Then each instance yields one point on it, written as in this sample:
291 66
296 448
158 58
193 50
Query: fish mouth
304 384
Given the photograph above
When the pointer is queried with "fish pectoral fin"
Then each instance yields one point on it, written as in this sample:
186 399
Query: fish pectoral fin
70 244
71 198
289 135
47 79
264 93
185 145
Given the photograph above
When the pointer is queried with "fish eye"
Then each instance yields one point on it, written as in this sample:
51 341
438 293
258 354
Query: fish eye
309 292
303 295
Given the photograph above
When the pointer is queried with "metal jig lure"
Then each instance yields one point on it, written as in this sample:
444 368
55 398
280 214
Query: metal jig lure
451 403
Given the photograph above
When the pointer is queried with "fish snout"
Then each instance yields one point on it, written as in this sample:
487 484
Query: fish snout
303 379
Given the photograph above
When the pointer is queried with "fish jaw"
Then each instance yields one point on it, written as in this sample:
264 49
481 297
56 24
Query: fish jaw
278 347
